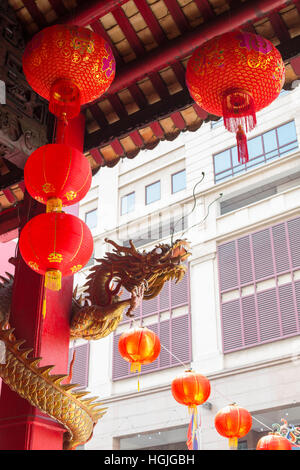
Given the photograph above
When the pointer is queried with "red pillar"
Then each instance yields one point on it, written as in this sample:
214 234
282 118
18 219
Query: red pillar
22 426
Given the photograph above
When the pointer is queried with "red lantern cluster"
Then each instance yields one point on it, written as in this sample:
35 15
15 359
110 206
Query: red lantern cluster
235 75
68 66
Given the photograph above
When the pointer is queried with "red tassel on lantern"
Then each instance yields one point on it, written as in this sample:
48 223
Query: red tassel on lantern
235 75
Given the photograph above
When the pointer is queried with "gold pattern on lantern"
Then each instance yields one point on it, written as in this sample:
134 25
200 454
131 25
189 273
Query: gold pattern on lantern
74 268
55 257
48 188
33 265
71 195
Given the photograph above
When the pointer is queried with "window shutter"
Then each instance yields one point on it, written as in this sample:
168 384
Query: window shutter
251 335
180 340
164 336
120 366
266 315
227 266
280 248
81 364
263 261
245 267
231 320
179 292
294 238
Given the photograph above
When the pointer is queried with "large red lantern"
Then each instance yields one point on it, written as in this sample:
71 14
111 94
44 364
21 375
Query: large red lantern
55 245
68 66
235 75
139 346
57 175
274 442
233 422
190 389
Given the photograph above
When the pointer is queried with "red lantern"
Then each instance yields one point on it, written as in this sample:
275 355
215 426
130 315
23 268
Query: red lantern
191 389
56 245
233 422
139 346
235 75
68 66
57 175
274 442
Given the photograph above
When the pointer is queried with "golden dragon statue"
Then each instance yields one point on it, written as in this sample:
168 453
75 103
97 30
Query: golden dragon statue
95 314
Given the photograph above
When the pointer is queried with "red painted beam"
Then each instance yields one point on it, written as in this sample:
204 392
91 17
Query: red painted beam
9 195
179 71
97 156
178 15
35 13
151 21
98 115
178 120
159 85
129 32
157 130
83 15
117 147
184 45
137 139
205 9
10 218
279 27
118 106
59 7
138 96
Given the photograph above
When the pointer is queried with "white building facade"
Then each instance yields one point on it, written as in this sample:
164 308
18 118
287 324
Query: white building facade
236 316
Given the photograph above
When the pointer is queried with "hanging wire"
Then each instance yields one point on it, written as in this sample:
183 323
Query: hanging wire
194 206
207 214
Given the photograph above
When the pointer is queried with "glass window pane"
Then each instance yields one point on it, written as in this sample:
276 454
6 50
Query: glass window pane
178 181
270 141
286 133
153 192
127 203
91 218
222 161
255 147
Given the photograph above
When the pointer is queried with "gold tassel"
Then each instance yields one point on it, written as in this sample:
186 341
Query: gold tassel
53 279
54 204
233 443
136 367
44 308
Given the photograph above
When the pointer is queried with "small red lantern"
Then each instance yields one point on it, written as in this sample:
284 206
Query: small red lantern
56 245
139 346
57 175
191 389
233 422
235 75
68 66
274 442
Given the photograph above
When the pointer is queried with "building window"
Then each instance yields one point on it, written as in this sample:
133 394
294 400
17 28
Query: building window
91 218
262 149
169 323
260 286
127 203
80 374
153 192
178 181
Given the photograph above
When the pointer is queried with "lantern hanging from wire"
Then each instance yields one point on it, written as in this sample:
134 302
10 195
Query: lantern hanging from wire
57 175
233 422
139 346
56 244
273 441
235 75
191 389
69 66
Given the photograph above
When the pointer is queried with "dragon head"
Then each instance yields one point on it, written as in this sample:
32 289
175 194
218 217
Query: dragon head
154 268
